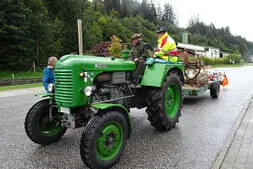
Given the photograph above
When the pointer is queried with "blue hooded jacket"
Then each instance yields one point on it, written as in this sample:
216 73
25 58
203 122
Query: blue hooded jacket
48 77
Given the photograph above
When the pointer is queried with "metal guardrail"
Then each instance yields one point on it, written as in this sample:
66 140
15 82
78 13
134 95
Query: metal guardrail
19 81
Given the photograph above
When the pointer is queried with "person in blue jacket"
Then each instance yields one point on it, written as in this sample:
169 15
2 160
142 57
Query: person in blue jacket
48 75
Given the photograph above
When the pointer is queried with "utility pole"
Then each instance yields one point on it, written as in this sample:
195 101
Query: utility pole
80 36
34 67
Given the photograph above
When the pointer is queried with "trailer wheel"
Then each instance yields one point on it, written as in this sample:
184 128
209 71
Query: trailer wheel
165 104
215 89
104 139
39 128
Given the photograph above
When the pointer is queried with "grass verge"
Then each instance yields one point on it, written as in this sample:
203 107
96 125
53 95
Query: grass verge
249 64
9 75
227 65
2 88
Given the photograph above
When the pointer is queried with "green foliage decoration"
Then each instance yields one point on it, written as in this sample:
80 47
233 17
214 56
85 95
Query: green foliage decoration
116 46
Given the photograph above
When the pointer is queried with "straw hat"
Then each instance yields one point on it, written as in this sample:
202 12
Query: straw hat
135 36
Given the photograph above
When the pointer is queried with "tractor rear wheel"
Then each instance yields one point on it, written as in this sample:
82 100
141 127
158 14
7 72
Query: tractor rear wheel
104 139
39 128
165 104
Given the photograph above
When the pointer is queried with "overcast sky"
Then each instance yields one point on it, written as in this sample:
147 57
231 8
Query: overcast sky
235 14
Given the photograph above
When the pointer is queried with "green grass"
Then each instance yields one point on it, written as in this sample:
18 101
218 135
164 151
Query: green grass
249 64
2 88
227 65
8 75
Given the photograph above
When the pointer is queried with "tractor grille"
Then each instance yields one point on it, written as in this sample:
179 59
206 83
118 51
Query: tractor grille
63 87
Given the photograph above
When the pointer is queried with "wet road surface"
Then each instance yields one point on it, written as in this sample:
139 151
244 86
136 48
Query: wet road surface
204 126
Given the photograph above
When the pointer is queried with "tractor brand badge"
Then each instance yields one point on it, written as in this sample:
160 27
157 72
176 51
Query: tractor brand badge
100 66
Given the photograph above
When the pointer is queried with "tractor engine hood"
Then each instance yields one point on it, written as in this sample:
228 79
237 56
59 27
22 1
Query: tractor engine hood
73 73
94 63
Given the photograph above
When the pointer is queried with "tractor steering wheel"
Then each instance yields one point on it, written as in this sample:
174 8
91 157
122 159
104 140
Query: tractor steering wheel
130 46
147 47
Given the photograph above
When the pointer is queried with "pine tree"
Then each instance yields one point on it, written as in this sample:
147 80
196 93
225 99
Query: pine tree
14 36
169 16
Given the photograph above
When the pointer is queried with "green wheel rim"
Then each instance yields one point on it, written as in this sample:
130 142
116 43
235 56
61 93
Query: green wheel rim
49 128
110 141
172 100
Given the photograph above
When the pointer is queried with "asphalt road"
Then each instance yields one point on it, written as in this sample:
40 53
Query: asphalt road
196 141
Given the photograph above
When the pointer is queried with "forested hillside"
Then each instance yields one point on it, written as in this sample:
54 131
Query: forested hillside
33 30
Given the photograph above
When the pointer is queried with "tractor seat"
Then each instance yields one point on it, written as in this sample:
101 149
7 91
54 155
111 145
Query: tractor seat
150 61
157 60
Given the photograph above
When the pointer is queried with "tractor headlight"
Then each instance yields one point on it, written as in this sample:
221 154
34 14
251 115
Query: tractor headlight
89 90
50 87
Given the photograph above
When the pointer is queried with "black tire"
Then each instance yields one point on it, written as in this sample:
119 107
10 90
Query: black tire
95 130
215 89
38 127
156 101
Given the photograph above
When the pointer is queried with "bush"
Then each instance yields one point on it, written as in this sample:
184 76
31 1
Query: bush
232 59
116 46
212 61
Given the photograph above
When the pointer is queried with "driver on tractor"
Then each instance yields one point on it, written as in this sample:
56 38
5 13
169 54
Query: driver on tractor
166 46
137 50
140 51
139 54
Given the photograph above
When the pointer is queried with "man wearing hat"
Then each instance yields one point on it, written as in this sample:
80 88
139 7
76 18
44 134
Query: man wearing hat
137 51
139 55
166 45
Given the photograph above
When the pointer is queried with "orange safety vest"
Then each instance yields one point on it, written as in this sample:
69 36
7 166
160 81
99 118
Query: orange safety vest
225 81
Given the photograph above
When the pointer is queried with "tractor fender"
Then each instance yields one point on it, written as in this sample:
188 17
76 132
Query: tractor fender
179 72
155 74
50 96
104 107
44 95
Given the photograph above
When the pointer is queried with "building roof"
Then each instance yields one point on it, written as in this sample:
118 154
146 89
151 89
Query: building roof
194 47
191 46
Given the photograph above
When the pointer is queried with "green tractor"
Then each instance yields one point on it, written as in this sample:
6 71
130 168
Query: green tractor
97 93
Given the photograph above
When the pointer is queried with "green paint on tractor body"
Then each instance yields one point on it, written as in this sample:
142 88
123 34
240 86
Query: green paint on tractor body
110 141
69 85
172 100
107 106
154 74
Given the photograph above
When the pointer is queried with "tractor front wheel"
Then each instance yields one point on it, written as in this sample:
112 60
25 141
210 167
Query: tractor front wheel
104 139
38 126
165 104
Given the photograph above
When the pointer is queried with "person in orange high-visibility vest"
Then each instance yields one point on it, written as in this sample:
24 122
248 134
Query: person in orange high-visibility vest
224 81
166 45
